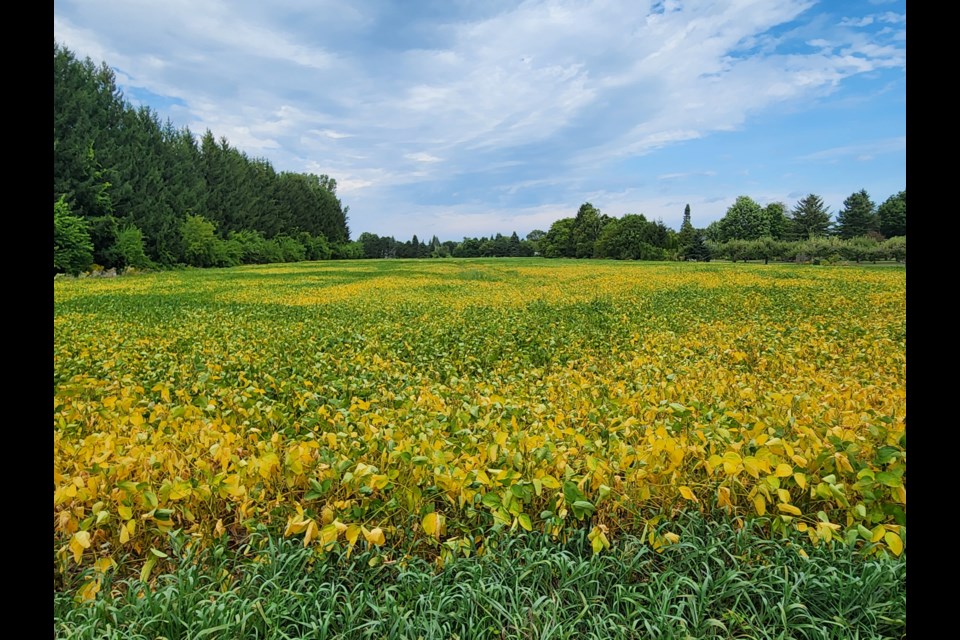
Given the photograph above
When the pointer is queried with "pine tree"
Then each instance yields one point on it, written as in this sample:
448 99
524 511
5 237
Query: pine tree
698 249
687 232
858 216
810 218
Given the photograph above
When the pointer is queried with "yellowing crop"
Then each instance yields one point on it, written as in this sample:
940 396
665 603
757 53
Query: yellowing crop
403 404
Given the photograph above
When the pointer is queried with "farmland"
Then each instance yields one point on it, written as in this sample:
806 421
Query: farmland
405 409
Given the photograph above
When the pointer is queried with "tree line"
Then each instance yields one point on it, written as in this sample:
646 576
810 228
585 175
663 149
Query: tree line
131 190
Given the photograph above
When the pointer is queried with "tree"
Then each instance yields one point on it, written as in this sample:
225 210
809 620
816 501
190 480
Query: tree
631 237
586 229
858 216
687 232
534 241
776 214
744 220
72 248
892 215
698 249
810 218
128 249
199 242
896 248
559 243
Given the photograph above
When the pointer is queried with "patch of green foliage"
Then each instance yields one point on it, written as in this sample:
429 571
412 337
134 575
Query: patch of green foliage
718 581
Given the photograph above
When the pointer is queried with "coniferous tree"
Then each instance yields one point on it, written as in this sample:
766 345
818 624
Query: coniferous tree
810 218
121 168
858 216
687 231
698 249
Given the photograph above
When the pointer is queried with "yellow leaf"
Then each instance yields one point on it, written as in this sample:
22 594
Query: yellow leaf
352 533
104 564
328 534
723 497
125 512
784 470
88 591
374 536
801 480
894 542
687 493
433 524
79 542
311 532
672 537
760 504
550 482
124 535
597 544
789 508
878 532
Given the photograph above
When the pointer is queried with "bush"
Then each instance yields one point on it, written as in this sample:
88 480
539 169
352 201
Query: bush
822 249
290 249
896 248
347 251
128 249
200 242
859 248
72 247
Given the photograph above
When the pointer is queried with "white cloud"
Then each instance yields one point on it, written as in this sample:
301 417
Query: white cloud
687 174
422 157
857 22
863 151
330 133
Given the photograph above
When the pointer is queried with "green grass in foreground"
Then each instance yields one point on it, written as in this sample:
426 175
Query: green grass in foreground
717 582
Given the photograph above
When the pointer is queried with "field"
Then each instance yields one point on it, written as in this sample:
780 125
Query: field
424 410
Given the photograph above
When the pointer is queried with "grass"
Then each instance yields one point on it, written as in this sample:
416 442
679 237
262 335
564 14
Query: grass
719 581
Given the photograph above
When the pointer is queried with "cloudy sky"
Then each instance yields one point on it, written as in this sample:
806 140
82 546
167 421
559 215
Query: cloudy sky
472 117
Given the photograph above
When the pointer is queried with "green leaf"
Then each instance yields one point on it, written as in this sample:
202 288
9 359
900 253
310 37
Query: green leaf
572 493
889 479
491 500
583 508
525 521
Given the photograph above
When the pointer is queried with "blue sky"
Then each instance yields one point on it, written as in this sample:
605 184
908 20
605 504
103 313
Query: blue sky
463 117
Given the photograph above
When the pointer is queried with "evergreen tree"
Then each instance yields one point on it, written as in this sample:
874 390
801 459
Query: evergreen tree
810 218
685 236
858 216
698 249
